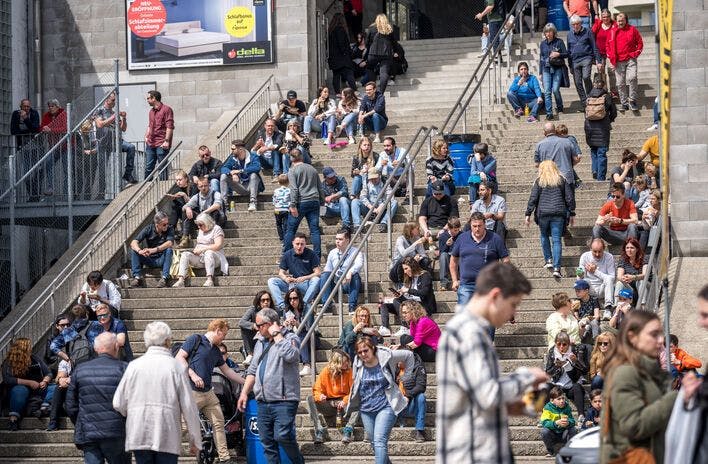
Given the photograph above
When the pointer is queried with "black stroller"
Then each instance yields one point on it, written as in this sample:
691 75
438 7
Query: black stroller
227 393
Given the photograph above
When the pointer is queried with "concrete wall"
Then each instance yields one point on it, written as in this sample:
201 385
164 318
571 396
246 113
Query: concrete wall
689 128
81 39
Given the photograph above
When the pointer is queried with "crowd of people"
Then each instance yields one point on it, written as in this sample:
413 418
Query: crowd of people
374 376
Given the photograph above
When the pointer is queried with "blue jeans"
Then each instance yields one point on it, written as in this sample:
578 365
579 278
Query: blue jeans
341 209
357 185
551 84
162 260
448 188
274 162
277 287
110 450
581 76
416 408
375 123
349 123
154 457
517 102
465 292
352 288
551 231
314 125
597 382
494 27
359 210
276 426
585 21
310 210
378 426
129 150
153 157
19 395
598 161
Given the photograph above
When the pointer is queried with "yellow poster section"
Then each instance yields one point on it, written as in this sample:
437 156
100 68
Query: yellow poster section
239 21
665 26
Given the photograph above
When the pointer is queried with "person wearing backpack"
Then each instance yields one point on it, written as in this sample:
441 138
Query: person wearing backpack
75 343
600 113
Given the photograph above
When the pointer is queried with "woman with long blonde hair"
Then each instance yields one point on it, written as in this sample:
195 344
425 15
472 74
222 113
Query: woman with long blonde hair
363 162
359 326
330 395
25 375
603 344
552 203
380 43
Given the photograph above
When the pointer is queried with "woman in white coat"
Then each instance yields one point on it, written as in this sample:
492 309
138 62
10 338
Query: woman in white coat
153 429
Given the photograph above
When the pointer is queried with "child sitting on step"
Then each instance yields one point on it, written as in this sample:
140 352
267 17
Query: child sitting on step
592 414
557 422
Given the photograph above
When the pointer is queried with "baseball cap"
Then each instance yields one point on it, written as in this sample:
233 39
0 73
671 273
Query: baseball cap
328 172
581 284
291 94
437 186
626 293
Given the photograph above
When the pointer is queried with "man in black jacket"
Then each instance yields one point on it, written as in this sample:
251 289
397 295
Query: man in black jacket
207 166
414 384
99 429
599 126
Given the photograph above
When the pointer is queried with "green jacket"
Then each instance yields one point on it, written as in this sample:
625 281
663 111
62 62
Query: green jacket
641 404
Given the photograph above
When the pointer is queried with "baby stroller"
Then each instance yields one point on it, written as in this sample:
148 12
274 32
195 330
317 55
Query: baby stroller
227 392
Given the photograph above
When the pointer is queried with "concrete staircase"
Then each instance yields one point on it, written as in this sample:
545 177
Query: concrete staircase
438 71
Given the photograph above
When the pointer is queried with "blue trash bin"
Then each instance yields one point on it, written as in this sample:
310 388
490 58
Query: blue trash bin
254 448
461 146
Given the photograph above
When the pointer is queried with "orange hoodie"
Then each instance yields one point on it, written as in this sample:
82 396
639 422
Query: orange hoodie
688 362
333 387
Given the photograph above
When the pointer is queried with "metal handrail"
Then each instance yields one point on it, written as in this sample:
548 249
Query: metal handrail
45 306
247 106
390 187
649 291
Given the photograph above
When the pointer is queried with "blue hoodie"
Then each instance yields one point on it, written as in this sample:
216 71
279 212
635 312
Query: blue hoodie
528 90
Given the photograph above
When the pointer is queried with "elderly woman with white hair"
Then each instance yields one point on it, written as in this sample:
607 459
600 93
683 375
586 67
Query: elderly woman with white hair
153 429
208 251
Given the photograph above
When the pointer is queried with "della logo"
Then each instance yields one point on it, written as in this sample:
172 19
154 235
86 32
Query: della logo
246 52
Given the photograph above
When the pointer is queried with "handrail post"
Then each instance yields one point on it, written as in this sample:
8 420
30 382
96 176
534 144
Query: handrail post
341 310
366 271
479 109
410 195
388 229
13 245
70 175
115 183
313 358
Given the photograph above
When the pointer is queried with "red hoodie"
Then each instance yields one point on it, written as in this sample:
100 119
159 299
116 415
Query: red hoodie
602 35
623 44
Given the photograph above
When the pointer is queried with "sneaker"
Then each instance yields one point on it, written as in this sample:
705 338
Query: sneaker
401 331
384 332
326 142
162 283
518 113
252 206
52 426
306 370
209 282
382 227
557 273
367 438
419 436
549 455
13 425
377 139
352 141
347 433
606 315
549 117
624 107
338 131
548 265
130 180
559 110
274 180
578 184
653 127
179 283
581 420
247 361
532 118
368 223
137 282
186 242
633 106
319 434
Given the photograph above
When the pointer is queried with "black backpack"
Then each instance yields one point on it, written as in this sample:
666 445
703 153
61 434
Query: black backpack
80 349
174 349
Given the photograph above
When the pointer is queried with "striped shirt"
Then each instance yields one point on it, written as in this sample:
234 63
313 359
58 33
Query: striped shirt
281 199
472 423
438 168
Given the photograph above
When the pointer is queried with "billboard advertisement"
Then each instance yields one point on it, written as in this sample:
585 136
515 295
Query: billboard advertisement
165 34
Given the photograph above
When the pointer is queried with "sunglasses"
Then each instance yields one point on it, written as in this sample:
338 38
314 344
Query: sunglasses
102 316
293 298
262 324
265 299
616 197
603 343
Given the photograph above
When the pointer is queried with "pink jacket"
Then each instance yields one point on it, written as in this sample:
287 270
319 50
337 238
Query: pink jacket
425 331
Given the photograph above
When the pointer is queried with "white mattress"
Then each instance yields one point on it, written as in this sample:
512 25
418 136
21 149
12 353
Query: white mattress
192 39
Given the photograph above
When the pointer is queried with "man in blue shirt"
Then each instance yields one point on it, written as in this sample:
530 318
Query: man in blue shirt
299 267
337 262
525 90
372 111
336 198
473 251
79 313
241 174
582 53
200 354
158 237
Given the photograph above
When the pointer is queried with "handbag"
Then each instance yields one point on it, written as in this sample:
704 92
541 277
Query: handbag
556 62
174 266
633 454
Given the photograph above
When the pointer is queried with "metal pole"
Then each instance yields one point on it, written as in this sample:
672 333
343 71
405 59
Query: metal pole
70 176
481 91
117 151
366 271
388 230
533 20
667 314
341 311
410 195
313 357
13 245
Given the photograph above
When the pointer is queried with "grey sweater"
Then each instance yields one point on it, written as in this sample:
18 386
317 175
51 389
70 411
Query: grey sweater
281 378
304 184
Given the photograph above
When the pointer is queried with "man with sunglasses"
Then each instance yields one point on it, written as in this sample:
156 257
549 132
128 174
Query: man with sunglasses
116 326
290 109
206 166
617 220
275 381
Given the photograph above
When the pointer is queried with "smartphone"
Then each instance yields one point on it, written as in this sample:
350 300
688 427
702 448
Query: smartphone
394 291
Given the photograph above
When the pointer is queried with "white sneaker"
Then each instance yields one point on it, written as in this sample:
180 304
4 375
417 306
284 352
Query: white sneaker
384 332
377 139
401 331
179 283
368 223
248 360
548 265
606 315
652 128
252 206
305 371
209 282
352 141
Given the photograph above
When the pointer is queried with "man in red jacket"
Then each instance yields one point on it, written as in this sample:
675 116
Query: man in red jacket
623 47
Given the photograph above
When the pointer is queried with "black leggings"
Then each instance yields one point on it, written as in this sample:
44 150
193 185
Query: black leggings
343 74
426 352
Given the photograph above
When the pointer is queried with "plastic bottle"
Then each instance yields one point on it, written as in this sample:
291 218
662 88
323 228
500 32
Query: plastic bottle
527 111
340 419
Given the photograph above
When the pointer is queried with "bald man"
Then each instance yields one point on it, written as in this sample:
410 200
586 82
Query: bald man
559 150
99 429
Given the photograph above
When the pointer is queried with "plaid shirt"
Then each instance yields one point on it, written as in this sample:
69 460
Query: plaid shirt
472 423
